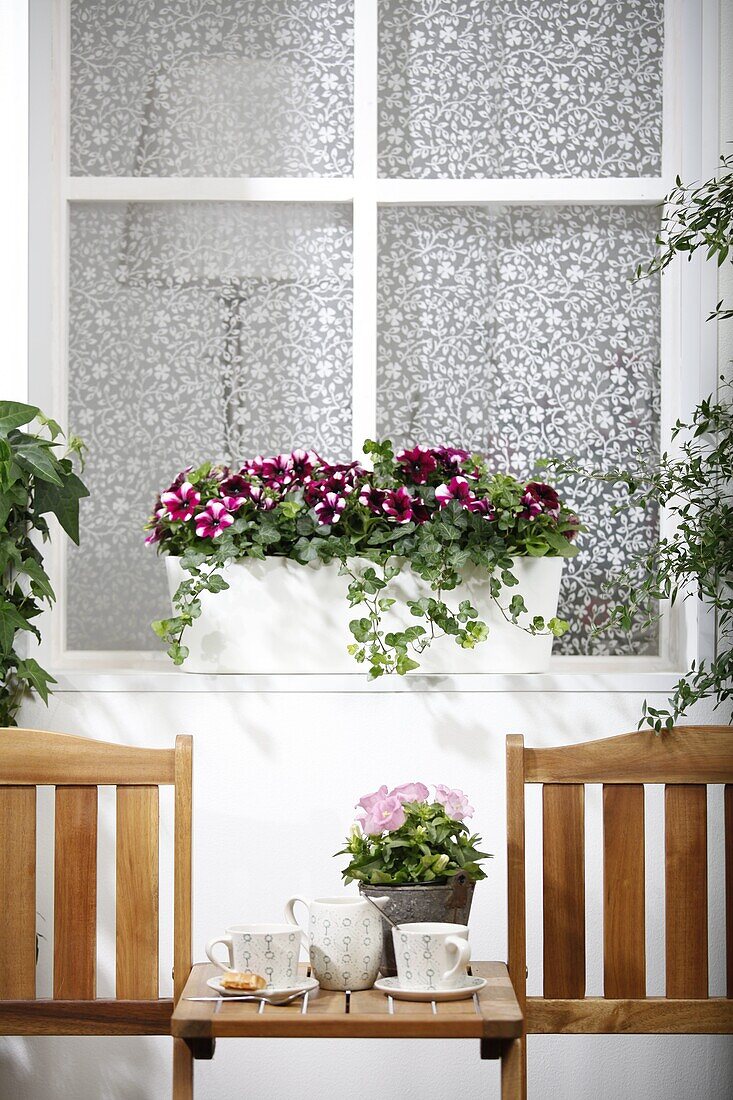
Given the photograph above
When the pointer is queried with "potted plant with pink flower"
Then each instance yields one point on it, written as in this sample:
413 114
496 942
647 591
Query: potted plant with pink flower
416 850
293 563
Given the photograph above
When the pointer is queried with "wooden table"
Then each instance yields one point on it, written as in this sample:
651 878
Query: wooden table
493 1016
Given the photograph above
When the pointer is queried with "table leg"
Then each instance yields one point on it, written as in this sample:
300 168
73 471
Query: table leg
182 1070
513 1070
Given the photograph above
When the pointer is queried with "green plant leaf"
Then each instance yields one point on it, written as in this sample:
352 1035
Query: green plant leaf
62 500
13 414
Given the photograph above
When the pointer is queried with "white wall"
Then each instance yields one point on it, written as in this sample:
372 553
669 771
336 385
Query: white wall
300 762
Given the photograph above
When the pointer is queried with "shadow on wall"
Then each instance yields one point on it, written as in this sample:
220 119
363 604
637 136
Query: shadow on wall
91 1067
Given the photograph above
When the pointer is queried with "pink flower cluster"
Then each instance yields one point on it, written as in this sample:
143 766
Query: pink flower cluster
419 463
383 810
458 488
539 498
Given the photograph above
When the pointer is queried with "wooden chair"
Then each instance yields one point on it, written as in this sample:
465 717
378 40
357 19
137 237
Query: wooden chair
76 767
685 760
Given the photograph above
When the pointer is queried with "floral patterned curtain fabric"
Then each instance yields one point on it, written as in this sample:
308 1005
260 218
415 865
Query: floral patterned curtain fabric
197 330
531 88
517 332
211 87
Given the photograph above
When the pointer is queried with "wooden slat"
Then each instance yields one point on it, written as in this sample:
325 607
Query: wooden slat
728 803
516 885
563 860
95 1017
686 891
75 894
35 756
650 1016
137 892
687 754
624 949
18 891
182 863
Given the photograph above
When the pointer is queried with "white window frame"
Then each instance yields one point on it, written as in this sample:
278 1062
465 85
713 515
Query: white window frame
688 349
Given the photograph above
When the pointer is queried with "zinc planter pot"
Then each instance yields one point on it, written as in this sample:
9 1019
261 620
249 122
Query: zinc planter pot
281 617
448 901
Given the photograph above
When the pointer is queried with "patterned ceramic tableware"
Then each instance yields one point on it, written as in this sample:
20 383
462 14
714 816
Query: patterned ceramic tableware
270 950
344 940
431 955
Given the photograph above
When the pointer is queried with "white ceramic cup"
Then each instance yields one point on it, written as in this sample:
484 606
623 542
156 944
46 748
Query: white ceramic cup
270 950
431 955
344 940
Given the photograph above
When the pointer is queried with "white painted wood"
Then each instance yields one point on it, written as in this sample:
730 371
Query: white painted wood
364 378
540 191
207 189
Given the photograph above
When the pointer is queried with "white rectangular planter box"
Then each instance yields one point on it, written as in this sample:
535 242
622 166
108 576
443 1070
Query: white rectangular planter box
281 617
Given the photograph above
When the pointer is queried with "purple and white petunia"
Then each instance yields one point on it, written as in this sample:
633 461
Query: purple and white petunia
373 499
539 498
303 463
398 505
213 520
456 489
180 503
330 508
418 463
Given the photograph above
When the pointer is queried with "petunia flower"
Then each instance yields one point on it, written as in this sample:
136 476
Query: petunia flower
384 816
260 499
212 520
156 532
420 511
277 470
233 503
373 499
539 498
398 505
454 802
330 508
456 489
452 457
236 485
418 464
180 503
410 792
573 531
482 507
303 463
365 803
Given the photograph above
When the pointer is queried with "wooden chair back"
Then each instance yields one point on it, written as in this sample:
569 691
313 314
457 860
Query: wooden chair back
685 760
76 767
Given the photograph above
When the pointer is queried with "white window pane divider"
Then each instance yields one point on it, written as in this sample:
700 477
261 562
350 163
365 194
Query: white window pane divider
693 56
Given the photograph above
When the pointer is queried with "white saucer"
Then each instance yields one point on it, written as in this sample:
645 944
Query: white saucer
305 985
392 987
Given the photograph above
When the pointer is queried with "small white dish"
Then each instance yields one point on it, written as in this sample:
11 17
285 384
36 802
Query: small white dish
392 988
305 985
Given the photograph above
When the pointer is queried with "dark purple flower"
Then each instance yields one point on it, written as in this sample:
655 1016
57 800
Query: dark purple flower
482 507
539 498
179 480
236 485
330 508
180 503
219 473
303 463
373 499
456 489
451 456
420 511
315 491
572 533
277 470
212 520
418 464
398 505
260 499
156 531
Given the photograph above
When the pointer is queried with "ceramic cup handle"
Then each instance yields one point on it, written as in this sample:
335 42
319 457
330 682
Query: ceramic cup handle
463 955
290 917
227 941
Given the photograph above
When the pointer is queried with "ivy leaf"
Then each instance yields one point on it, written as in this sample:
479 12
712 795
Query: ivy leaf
11 620
40 584
62 500
37 677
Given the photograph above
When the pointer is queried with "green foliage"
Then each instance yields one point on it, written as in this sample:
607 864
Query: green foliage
371 549
694 482
34 481
429 847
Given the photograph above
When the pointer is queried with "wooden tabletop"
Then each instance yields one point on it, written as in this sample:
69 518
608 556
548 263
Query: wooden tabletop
493 1013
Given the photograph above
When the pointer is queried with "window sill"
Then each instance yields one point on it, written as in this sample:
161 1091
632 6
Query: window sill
153 673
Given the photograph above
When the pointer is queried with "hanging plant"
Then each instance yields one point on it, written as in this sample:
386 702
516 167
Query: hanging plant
35 480
436 509
693 482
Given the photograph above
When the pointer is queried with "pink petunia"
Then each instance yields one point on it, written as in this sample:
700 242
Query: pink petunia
213 520
454 802
418 463
367 801
180 503
456 489
410 792
384 816
539 498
